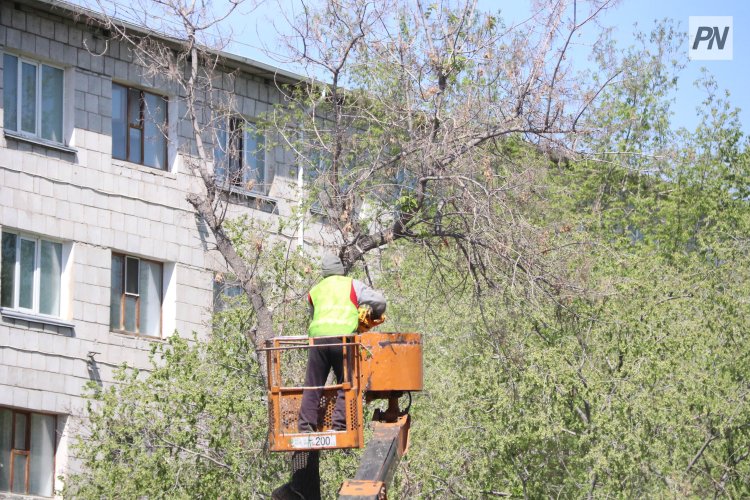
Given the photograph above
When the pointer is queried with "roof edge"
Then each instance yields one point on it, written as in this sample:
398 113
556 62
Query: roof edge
246 64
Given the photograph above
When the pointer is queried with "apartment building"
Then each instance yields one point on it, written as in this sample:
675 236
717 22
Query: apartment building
101 253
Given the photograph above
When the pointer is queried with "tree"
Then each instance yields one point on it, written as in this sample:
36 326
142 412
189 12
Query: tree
416 120
407 126
439 134
193 427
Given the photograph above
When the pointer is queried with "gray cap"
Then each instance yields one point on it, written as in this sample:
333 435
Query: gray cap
331 265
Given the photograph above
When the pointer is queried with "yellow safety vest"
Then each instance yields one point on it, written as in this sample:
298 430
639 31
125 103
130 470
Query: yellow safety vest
334 313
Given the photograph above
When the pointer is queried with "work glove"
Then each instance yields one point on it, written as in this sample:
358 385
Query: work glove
366 321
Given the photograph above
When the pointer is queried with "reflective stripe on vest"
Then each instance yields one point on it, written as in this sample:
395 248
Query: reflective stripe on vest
334 313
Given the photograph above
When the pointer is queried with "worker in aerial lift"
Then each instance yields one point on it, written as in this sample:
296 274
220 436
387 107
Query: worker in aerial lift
335 303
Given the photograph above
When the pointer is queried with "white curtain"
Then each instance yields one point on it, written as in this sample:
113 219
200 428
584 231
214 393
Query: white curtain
52 98
150 295
28 98
155 140
51 267
10 92
254 161
42 466
28 264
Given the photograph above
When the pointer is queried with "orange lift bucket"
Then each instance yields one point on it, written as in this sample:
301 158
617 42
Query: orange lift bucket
380 366
285 391
390 362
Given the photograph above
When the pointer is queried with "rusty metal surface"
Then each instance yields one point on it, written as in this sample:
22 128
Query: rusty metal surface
383 453
384 430
361 490
386 365
391 361
284 404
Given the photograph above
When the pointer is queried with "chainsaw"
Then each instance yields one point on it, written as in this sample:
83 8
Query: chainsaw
366 321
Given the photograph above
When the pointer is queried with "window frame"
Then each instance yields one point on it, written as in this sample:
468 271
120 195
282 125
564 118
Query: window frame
226 289
37 277
26 451
317 162
137 295
142 117
37 134
229 126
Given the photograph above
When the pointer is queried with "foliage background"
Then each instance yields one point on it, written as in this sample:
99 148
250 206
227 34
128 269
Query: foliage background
631 380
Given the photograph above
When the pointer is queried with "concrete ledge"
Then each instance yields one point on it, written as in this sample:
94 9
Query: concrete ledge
35 318
39 141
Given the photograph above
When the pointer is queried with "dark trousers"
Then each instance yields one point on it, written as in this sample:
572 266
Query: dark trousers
320 361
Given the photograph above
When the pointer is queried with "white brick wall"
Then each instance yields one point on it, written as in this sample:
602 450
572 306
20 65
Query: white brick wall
101 205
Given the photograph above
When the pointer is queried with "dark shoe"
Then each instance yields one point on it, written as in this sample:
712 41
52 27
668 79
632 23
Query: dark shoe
286 492
305 428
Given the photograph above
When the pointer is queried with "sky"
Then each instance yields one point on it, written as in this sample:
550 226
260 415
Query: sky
256 37
733 75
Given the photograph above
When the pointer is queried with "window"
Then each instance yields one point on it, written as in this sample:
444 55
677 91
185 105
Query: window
227 294
27 452
319 163
239 156
32 98
319 180
31 274
139 126
136 299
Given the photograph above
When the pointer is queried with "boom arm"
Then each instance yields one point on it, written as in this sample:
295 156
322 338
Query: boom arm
379 461
384 366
